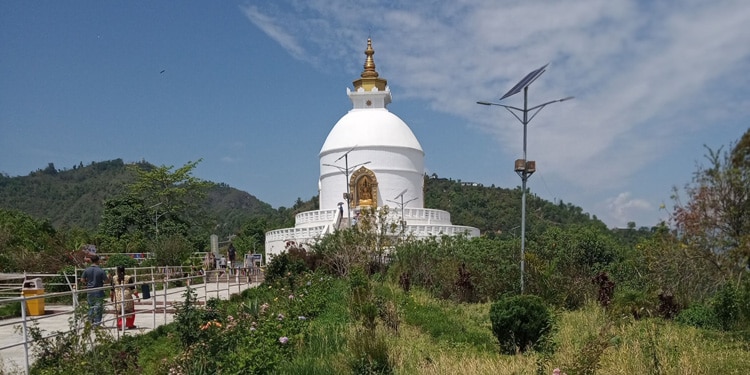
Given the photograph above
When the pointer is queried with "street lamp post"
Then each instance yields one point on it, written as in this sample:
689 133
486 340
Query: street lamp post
524 167
401 205
156 218
345 171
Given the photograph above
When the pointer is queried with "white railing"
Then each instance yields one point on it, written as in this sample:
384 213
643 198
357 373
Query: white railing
317 216
165 298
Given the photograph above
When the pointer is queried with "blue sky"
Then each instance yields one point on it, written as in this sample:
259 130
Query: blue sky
254 87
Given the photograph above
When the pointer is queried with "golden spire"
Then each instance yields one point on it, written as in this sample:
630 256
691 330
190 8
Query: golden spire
369 62
369 77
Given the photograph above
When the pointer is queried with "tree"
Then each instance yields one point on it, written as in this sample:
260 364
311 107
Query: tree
562 262
161 202
171 198
252 236
715 219
360 246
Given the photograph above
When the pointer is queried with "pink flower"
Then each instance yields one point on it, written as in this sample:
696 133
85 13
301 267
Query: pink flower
558 372
283 340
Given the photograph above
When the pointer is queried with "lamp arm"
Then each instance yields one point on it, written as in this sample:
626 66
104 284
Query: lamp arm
535 113
513 113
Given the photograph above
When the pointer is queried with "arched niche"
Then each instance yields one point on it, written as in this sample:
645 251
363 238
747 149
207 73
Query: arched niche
364 187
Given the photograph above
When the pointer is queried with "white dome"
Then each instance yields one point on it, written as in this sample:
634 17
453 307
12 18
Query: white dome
369 127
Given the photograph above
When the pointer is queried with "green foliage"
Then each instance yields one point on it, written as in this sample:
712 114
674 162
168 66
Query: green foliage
11 309
251 237
588 360
368 346
73 198
700 316
370 353
362 303
495 211
363 246
726 307
562 262
520 322
70 198
124 260
84 350
172 250
633 302
714 222
28 244
189 318
488 265
65 279
287 264
447 324
665 263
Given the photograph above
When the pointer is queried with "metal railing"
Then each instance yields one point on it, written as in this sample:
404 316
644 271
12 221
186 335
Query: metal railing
167 287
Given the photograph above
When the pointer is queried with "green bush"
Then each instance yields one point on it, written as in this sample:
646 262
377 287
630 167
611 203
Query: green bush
520 322
700 316
726 307
124 260
637 303
283 266
11 309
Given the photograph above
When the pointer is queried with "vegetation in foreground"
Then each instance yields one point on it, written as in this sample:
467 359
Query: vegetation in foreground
314 323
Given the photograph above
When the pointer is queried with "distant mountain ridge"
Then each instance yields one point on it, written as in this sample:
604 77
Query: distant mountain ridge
75 197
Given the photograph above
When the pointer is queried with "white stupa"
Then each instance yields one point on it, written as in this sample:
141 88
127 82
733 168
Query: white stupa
373 158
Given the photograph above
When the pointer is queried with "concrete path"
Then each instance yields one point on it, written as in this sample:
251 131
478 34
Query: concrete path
150 314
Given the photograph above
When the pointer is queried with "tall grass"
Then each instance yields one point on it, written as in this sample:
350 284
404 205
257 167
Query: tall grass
438 339
441 337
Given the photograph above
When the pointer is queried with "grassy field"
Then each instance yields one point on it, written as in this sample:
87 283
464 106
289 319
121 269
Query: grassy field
413 333
441 337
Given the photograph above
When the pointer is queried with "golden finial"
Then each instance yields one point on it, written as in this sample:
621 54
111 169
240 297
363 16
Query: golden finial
369 71
369 77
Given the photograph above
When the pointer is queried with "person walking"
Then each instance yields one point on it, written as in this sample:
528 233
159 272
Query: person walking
122 295
95 277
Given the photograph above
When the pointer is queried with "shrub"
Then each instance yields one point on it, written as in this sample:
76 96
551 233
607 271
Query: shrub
726 307
283 266
126 261
520 322
700 316
606 288
668 308
636 303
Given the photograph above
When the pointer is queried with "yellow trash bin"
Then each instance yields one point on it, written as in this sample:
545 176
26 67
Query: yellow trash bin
32 288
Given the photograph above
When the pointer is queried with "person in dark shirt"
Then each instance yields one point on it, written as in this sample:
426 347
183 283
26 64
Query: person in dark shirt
232 254
95 277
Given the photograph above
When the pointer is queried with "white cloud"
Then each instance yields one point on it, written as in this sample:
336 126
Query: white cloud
274 30
624 208
643 73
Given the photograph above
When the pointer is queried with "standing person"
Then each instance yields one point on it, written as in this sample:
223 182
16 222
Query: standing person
232 254
123 295
95 277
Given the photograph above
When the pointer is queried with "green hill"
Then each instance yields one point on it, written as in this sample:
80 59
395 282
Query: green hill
497 211
75 197
70 198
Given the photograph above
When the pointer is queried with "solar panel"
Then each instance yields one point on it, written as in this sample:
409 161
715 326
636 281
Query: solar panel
525 82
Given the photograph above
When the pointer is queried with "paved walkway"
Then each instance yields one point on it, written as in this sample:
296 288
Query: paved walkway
56 318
